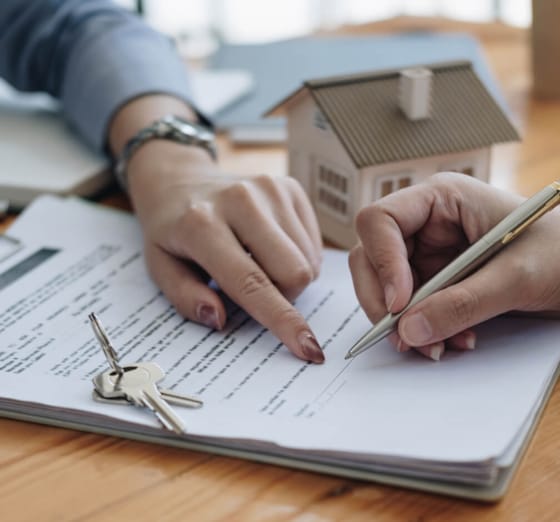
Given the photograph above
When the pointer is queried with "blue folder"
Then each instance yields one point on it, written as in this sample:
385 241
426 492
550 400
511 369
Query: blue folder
278 68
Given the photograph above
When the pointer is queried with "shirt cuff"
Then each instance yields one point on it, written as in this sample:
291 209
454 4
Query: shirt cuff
112 68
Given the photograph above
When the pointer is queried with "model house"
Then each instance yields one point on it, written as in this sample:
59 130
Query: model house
356 138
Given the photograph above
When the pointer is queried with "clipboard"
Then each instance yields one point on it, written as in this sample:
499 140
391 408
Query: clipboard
488 482
490 493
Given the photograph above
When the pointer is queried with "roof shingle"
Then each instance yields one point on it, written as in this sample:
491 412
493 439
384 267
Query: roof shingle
364 112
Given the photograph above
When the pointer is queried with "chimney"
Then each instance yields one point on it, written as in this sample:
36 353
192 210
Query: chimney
415 86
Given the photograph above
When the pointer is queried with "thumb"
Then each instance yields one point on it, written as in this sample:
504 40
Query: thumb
481 296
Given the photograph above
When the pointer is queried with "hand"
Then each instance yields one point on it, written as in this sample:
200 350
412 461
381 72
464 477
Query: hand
256 237
410 235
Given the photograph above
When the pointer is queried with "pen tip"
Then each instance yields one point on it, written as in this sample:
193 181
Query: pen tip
348 356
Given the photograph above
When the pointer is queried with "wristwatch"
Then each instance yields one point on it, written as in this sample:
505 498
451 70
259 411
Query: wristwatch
169 127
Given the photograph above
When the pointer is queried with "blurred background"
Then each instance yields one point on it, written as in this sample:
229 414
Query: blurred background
198 24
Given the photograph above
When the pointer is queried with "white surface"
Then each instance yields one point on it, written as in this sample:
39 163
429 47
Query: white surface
462 414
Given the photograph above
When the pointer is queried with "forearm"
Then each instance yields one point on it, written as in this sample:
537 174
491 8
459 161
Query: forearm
94 56
156 163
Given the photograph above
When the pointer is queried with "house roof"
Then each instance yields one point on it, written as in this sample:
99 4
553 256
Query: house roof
363 110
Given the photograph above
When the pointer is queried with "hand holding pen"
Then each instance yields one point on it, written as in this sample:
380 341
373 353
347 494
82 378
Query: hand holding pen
412 235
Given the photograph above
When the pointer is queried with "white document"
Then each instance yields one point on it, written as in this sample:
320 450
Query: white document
460 420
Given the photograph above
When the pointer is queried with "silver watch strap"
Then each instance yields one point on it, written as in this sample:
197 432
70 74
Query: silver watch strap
163 128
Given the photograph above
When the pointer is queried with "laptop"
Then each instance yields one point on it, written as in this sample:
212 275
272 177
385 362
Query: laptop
40 153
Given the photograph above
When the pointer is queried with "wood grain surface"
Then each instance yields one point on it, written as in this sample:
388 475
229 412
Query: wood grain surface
50 474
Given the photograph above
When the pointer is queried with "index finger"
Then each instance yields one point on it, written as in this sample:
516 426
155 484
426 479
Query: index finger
383 228
244 281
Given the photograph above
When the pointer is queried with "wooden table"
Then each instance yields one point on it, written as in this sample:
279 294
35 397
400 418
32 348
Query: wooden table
57 474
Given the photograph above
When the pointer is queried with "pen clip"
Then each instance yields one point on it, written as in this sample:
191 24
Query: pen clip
549 205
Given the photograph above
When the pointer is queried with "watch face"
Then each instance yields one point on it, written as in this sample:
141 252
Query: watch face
192 129
184 127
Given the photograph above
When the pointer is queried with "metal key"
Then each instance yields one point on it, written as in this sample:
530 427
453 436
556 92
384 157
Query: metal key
108 350
137 384
170 396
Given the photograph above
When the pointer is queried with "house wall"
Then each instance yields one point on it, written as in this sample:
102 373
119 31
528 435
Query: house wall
306 142
372 178
312 145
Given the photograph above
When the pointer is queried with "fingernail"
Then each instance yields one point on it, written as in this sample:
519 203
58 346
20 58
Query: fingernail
416 329
463 341
395 340
402 346
310 348
435 351
470 340
390 296
207 315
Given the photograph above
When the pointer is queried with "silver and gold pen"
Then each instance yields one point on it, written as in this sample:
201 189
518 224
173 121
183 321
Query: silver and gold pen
494 240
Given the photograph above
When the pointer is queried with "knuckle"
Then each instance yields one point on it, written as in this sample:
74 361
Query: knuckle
445 177
528 276
450 200
384 263
302 276
266 181
450 181
364 218
240 192
299 278
293 184
198 216
525 267
275 188
355 256
463 306
253 282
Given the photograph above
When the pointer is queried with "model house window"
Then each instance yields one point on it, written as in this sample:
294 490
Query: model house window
391 183
404 182
333 192
386 187
333 202
320 121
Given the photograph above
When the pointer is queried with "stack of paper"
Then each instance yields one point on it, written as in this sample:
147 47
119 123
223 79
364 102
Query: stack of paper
458 426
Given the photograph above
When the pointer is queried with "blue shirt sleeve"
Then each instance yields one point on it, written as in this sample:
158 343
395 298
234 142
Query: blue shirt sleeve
90 54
